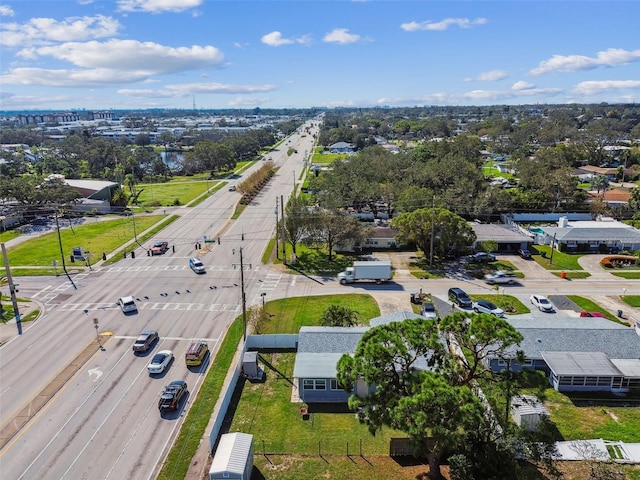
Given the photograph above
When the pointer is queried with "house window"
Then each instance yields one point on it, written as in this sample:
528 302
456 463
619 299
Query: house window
565 381
314 384
527 363
591 381
502 363
333 385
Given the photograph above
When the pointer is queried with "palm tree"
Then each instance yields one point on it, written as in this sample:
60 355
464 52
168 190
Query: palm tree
600 182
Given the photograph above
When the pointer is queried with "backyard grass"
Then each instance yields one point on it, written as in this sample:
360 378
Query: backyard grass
95 237
330 429
600 420
315 261
560 261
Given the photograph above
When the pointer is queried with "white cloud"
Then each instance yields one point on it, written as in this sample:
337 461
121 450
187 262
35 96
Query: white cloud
573 63
342 36
38 31
492 75
522 85
186 89
595 87
114 62
6 11
275 39
247 102
465 98
443 24
134 55
157 6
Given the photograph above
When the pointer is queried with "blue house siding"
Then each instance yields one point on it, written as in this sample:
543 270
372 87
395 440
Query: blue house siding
321 390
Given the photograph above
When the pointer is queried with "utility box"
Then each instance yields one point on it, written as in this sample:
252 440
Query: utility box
250 366
233 458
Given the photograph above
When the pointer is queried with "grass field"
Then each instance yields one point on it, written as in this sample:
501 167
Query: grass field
591 306
94 237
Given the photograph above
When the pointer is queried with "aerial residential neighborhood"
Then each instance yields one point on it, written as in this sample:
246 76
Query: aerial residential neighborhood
273 241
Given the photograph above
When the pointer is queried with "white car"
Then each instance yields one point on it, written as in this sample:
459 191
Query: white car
542 303
500 278
127 304
483 306
160 361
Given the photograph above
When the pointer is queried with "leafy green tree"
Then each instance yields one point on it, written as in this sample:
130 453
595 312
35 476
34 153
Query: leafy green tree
406 396
489 246
298 220
339 316
479 337
332 226
634 201
448 230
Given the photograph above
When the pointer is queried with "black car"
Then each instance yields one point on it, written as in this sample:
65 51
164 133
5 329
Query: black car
459 297
172 395
524 253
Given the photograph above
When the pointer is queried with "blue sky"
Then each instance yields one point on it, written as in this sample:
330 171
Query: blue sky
114 54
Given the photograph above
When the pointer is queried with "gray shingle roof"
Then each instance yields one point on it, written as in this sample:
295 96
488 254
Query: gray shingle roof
626 235
329 339
580 364
615 343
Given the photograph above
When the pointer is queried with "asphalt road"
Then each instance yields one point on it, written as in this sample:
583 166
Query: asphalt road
104 422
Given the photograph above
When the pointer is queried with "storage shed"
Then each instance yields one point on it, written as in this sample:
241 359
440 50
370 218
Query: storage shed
233 458
527 411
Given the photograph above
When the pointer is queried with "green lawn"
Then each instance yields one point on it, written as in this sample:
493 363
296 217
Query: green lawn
511 305
631 300
172 193
629 275
289 314
591 306
94 236
598 421
8 235
560 261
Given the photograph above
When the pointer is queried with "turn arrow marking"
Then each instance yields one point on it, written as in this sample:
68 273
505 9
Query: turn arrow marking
97 372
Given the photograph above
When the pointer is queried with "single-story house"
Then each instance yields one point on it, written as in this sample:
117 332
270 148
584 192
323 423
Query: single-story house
616 197
608 172
604 234
318 352
509 237
382 238
341 147
578 354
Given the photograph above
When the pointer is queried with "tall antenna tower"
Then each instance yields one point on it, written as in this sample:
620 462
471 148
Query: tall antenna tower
194 102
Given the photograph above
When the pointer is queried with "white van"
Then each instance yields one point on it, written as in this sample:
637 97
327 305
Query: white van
127 304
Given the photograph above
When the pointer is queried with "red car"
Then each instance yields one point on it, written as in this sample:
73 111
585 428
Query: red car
592 314
159 248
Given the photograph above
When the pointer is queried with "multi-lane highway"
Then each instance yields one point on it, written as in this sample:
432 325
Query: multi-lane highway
104 422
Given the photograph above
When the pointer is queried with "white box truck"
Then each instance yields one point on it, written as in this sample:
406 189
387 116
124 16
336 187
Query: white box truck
373 271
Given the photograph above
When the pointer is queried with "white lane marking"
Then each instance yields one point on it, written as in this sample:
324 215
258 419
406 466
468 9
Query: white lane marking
95 371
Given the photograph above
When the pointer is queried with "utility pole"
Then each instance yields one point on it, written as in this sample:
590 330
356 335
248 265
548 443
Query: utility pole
433 214
552 247
244 297
12 287
277 233
64 264
284 243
